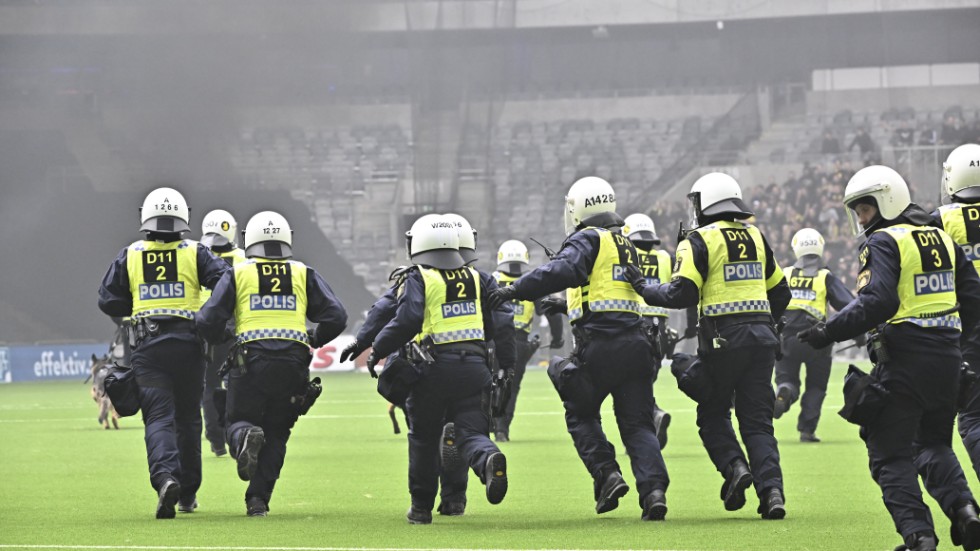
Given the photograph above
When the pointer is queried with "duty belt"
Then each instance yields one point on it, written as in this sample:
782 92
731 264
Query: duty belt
172 312
469 347
724 322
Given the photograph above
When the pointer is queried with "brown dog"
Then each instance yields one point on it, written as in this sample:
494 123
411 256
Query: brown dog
100 368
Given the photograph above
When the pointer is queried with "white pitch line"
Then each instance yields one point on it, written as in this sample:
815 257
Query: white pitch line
284 548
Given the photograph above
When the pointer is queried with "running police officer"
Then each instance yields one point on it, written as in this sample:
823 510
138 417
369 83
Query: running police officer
512 259
157 282
218 232
916 289
727 267
812 287
610 345
961 220
443 309
655 266
270 297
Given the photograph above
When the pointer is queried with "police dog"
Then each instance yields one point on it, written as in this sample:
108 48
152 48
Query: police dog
107 413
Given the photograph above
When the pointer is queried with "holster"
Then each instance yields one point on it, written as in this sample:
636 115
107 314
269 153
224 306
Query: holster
397 379
236 359
968 378
878 348
864 397
305 400
123 390
692 377
655 335
572 381
500 389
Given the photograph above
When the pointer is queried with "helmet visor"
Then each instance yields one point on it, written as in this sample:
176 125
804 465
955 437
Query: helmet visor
212 240
165 224
443 259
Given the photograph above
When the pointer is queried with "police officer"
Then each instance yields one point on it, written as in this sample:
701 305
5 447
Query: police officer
726 267
961 220
157 281
218 232
443 308
610 345
453 472
655 265
512 259
911 278
270 297
812 287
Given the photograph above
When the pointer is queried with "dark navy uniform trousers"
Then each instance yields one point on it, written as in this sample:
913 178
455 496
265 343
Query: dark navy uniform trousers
260 396
742 377
524 351
170 373
818 363
621 366
453 388
913 435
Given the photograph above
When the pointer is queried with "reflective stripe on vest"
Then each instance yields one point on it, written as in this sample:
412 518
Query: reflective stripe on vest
163 278
736 280
962 223
655 266
233 257
927 280
809 293
453 306
270 300
523 309
607 290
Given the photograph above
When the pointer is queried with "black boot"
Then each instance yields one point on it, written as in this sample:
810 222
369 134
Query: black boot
453 508
248 457
771 505
920 541
654 506
496 478
416 515
610 486
965 528
449 448
661 420
256 507
167 498
738 477
784 397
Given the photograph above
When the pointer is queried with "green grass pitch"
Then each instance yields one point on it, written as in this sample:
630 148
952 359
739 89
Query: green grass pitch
67 483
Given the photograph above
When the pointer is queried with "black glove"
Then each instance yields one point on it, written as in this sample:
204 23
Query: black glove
861 340
553 305
501 295
557 344
690 332
353 350
371 362
815 336
634 277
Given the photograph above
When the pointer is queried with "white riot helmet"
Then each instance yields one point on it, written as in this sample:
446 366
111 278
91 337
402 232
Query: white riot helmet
639 227
165 211
879 186
467 236
716 193
961 173
512 256
434 241
218 229
268 235
587 197
807 241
